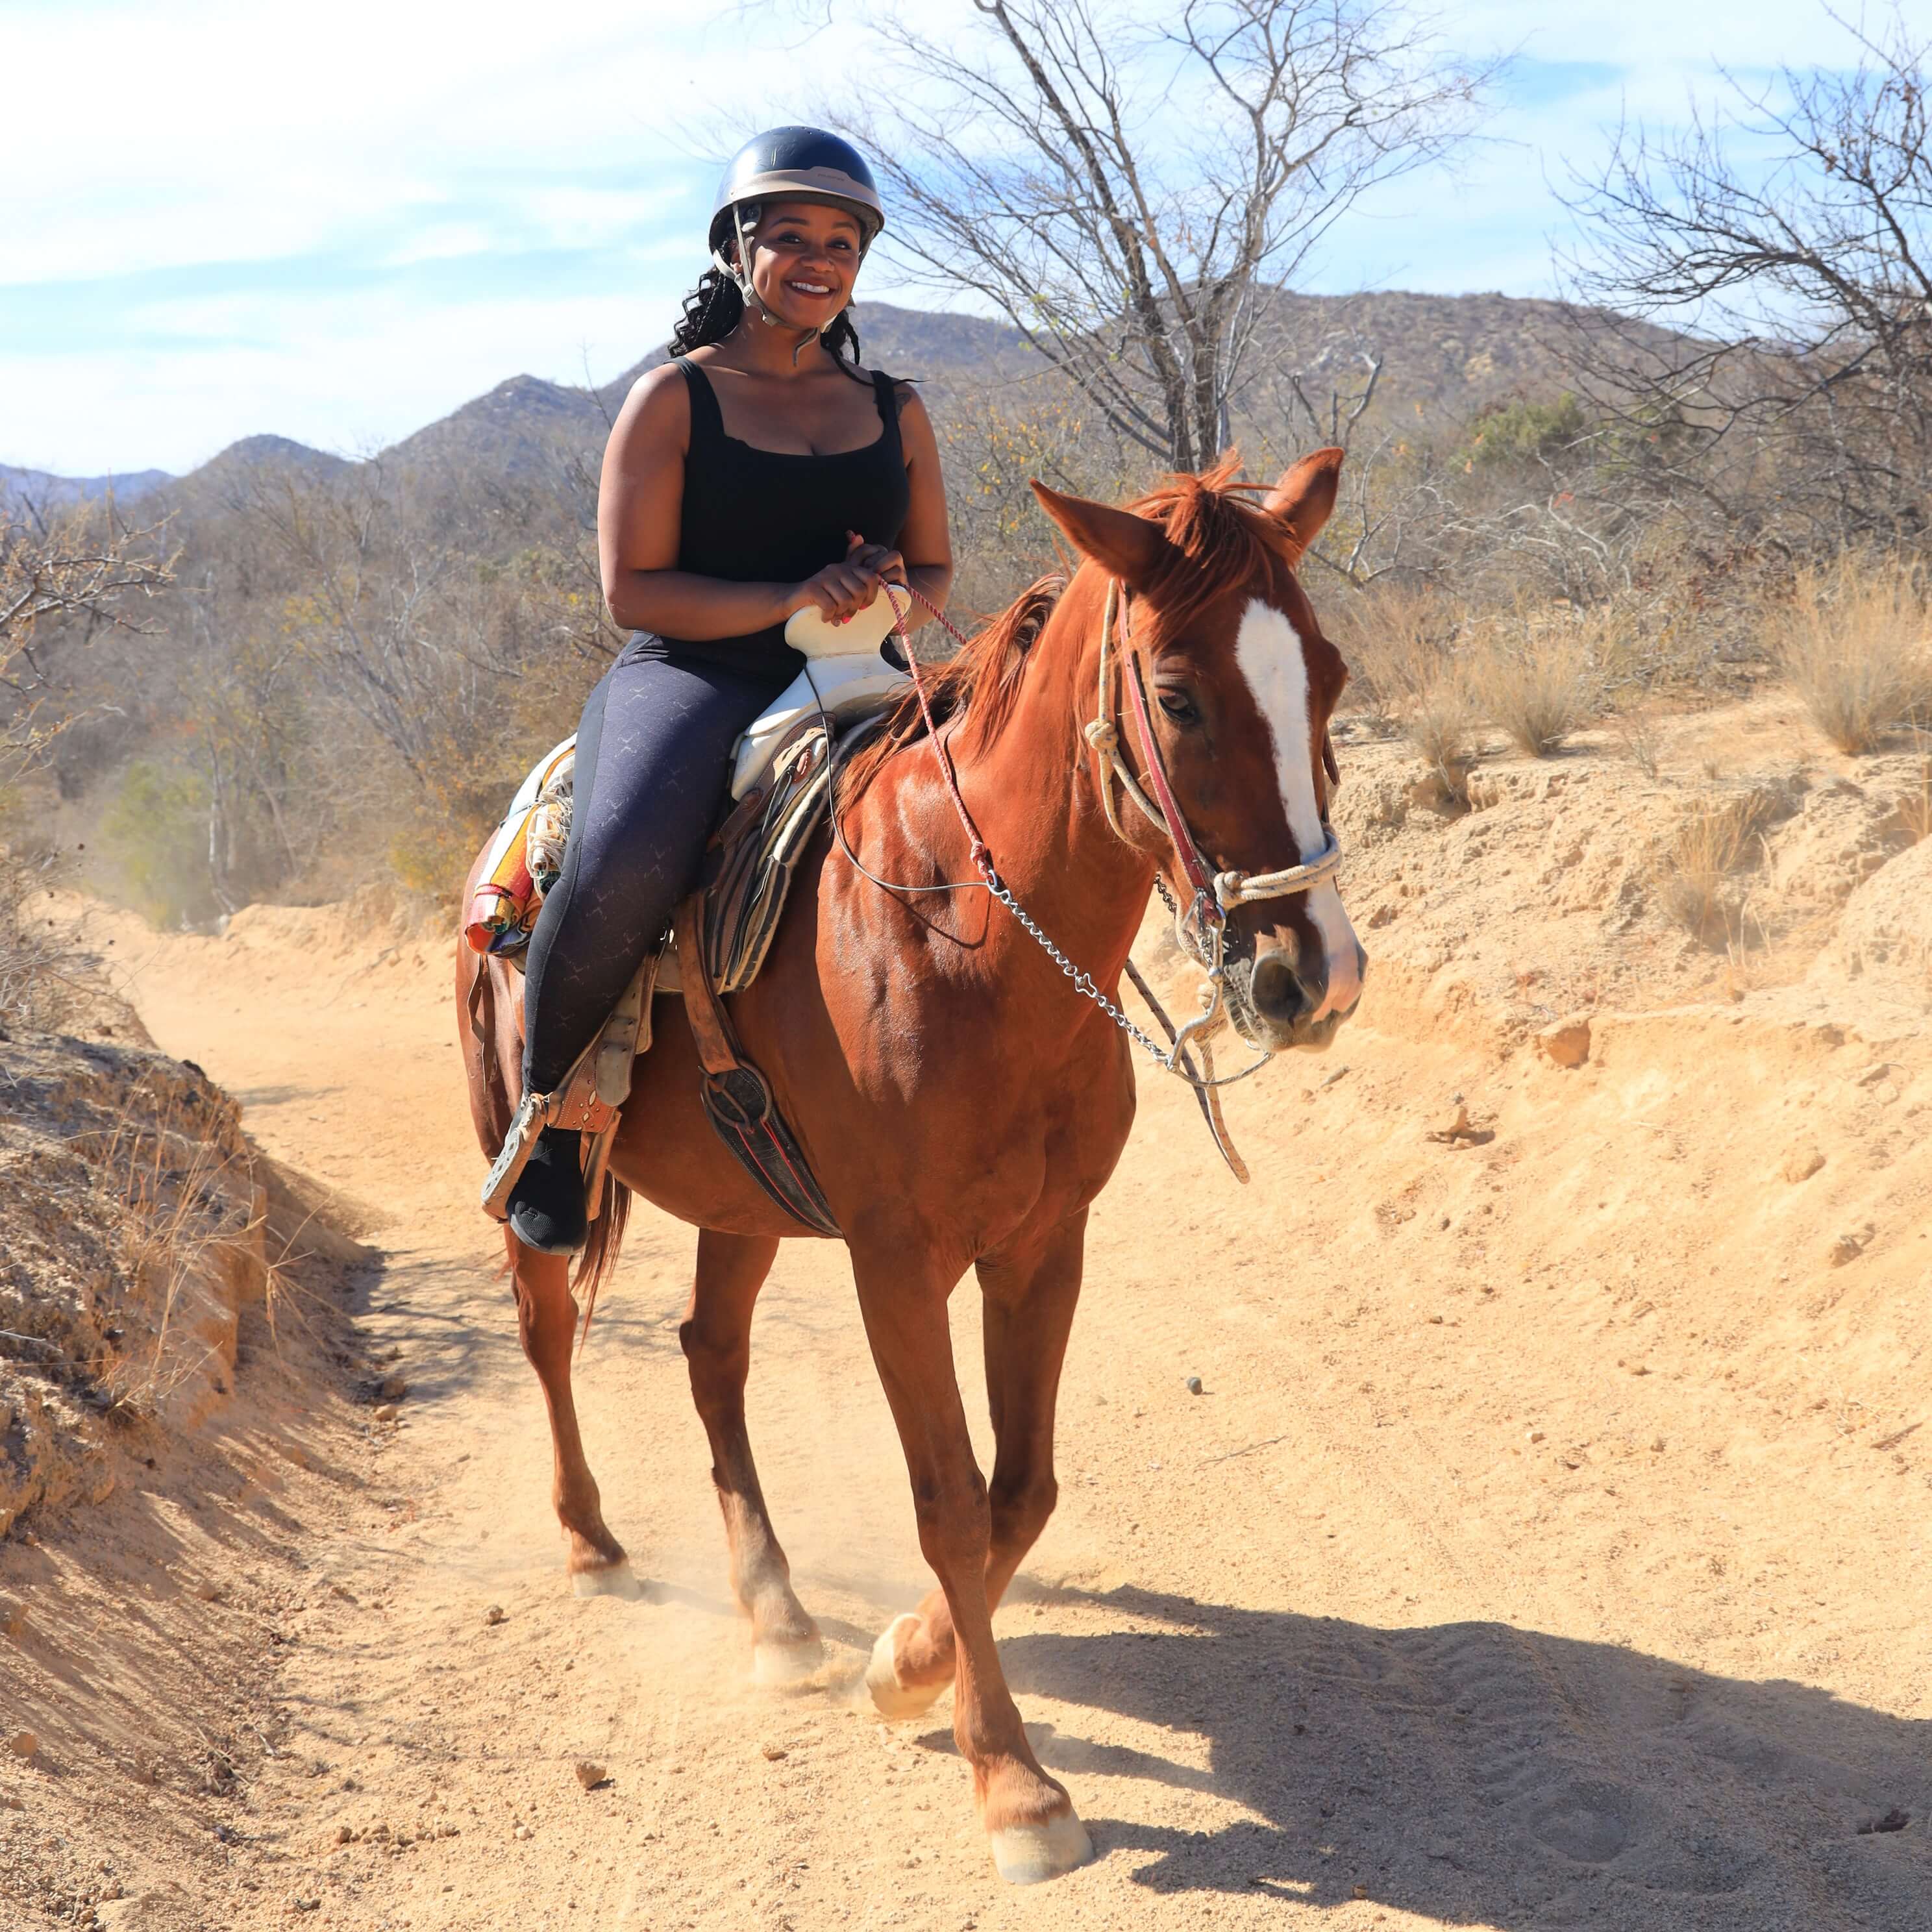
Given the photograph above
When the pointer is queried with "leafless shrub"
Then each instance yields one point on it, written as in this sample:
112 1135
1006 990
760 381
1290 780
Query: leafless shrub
60 576
1785 228
1857 646
1636 730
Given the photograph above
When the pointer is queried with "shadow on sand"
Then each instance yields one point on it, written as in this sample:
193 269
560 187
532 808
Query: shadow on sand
1475 1772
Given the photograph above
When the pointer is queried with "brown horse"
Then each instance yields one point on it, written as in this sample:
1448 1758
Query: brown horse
961 1102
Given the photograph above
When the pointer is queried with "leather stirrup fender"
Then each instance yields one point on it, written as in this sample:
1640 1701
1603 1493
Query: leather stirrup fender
738 1099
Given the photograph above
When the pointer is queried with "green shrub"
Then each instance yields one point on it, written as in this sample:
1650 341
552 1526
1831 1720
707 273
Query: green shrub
1523 431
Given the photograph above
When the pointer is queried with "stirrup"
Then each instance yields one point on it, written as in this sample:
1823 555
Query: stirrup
535 1112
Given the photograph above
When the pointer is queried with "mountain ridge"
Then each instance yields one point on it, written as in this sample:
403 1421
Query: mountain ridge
1444 358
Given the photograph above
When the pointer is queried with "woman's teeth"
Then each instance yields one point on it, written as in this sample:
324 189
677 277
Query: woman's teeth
810 288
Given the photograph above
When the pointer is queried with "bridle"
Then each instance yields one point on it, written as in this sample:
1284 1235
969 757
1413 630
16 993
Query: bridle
1202 929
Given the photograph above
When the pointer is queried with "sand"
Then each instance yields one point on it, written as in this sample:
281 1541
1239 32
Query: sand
1546 1546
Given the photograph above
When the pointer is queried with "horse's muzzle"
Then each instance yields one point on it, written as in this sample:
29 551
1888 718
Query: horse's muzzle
1275 1002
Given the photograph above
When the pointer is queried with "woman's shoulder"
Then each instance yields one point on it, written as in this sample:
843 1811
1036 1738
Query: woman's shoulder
667 378
904 388
657 408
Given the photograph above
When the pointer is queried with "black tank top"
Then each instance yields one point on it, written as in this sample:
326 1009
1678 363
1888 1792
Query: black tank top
754 516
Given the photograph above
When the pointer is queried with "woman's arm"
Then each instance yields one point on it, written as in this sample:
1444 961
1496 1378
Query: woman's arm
639 506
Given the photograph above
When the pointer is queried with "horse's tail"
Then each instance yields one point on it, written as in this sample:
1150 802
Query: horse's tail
601 1248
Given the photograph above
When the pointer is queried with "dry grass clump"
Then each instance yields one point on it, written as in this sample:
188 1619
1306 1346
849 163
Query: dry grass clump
1533 675
1916 810
1696 881
1856 645
1399 640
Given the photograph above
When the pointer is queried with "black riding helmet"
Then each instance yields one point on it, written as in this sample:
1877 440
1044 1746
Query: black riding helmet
791 164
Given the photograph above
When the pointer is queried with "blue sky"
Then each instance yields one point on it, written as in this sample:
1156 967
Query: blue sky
339 226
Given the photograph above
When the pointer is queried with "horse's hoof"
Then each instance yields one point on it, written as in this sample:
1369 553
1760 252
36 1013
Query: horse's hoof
1028 1854
780 1665
890 1697
607 1579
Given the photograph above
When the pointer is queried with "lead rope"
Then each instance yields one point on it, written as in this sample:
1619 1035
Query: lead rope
1175 1060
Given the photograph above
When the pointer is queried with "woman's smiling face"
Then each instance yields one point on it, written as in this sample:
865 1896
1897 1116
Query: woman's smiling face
804 258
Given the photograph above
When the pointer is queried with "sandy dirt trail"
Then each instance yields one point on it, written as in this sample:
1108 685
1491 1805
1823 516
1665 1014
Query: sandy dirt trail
1541 1551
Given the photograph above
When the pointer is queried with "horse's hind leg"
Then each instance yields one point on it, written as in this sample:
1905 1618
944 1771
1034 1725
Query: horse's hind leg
1030 1297
547 1323
717 1339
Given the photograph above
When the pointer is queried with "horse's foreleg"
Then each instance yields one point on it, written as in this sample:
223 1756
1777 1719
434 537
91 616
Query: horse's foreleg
547 1323
1030 1297
1028 1817
716 1337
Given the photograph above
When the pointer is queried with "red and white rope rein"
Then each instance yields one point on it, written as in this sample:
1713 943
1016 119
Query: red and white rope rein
1175 1059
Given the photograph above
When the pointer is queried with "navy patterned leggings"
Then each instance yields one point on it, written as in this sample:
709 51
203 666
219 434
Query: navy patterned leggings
653 754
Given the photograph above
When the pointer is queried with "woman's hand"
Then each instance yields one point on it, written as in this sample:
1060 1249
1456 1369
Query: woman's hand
886 563
842 590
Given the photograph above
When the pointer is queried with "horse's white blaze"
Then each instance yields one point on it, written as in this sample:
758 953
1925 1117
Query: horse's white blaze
1268 652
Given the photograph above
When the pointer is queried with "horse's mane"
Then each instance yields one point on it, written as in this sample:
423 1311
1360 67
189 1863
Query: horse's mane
1216 539
980 686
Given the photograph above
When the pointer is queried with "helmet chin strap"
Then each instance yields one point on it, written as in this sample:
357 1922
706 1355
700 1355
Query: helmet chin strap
739 272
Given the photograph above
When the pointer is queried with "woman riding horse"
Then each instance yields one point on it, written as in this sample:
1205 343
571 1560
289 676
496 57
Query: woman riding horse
761 472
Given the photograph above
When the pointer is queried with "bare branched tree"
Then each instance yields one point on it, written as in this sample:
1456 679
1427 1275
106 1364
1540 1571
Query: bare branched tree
74 572
371 591
1791 232
1128 183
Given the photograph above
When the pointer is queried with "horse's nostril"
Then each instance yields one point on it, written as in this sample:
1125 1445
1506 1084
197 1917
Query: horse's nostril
1278 995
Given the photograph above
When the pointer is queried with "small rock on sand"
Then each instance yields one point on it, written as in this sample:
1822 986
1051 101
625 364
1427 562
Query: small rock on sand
1566 1043
394 1388
494 1614
1849 1246
1802 1163
589 1774
387 1412
22 1744
13 1617
1452 1128
772 1752
1193 1384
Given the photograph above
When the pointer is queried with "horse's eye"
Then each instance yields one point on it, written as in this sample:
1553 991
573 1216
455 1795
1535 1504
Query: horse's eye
1179 707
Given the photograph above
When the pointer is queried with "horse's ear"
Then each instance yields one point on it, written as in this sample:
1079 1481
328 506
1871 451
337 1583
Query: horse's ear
1131 546
1305 495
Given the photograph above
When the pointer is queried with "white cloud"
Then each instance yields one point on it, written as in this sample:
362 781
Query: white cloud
347 374
337 226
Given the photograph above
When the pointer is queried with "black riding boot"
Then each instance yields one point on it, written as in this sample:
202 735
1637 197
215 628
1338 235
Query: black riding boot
547 1203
